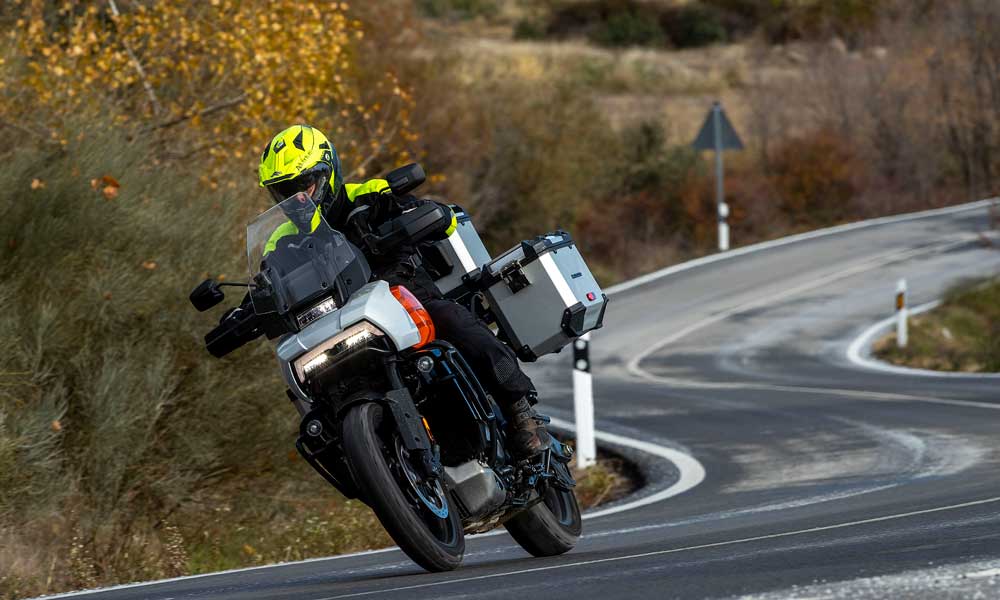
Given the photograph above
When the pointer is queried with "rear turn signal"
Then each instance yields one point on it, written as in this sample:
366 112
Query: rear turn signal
417 312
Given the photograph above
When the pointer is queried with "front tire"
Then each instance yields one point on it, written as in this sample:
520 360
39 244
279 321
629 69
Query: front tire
550 527
434 542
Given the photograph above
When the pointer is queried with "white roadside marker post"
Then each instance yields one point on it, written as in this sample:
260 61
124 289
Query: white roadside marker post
902 314
583 403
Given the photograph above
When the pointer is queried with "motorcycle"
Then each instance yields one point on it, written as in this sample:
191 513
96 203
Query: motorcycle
389 414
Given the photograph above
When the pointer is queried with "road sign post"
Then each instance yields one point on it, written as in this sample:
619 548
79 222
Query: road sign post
717 134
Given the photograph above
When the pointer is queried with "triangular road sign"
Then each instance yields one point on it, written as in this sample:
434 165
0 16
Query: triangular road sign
728 139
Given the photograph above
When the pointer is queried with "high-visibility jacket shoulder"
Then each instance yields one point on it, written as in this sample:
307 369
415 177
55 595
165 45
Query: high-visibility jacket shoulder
356 191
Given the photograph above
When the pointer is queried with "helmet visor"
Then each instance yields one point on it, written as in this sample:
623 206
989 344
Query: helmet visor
312 184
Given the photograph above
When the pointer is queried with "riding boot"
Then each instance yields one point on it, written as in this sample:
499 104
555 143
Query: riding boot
528 435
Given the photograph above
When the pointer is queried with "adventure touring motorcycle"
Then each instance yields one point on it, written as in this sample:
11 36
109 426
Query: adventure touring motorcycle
391 415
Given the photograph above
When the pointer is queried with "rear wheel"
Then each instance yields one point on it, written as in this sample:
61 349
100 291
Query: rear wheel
415 511
551 526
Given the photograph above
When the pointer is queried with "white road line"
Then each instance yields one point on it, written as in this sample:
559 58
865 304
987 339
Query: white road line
138 584
691 471
981 574
705 260
673 550
859 354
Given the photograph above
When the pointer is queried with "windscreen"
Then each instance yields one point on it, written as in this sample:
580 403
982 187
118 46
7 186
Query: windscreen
295 257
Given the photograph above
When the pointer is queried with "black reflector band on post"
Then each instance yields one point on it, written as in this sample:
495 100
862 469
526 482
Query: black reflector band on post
581 355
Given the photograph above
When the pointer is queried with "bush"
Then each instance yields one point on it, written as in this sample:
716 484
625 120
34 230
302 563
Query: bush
629 28
523 158
529 29
782 22
655 213
694 25
814 178
458 9
701 22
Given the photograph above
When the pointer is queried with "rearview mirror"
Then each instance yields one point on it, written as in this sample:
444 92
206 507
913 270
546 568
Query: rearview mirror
405 179
206 295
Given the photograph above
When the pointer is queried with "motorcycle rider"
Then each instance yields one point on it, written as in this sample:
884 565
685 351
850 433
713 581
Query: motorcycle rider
302 159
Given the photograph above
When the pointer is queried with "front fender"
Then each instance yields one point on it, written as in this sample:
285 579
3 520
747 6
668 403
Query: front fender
406 418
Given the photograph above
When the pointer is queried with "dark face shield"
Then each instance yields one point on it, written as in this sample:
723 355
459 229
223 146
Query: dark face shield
303 184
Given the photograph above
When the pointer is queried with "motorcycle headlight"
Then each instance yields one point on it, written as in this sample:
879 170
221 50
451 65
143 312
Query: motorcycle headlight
324 355
315 311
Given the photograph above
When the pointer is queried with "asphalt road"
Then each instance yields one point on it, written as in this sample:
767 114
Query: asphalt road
823 479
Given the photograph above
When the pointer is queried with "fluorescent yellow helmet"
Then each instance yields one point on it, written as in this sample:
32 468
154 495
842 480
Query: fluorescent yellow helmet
297 158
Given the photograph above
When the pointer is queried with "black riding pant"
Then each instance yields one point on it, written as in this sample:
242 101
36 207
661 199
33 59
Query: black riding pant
493 361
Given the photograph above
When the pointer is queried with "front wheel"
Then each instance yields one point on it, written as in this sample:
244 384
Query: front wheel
549 527
416 512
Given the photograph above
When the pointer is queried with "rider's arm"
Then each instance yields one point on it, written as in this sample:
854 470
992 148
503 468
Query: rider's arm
372 203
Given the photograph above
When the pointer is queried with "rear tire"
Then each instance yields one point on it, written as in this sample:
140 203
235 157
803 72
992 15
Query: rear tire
434 543
550 527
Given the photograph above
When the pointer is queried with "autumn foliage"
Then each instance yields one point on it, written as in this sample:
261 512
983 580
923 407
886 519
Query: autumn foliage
218 76
814 177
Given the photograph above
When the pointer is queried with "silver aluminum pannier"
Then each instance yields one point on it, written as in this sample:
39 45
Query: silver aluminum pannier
458 255
543 295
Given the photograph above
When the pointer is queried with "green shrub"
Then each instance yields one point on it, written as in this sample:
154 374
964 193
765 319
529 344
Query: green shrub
654 210
629 28
694 25
529 29
701 22
458 9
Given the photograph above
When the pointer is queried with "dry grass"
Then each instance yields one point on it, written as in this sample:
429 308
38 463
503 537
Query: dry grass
286 515
111 415
608 480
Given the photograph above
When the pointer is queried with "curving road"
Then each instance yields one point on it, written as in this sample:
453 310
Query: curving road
822 478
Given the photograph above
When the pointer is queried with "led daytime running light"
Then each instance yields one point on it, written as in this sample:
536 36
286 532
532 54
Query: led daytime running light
320 356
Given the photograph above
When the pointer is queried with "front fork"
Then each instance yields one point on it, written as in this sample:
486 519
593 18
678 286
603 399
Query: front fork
412 431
